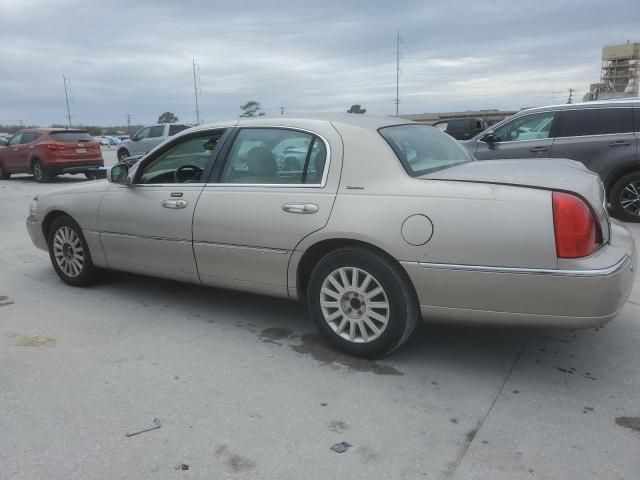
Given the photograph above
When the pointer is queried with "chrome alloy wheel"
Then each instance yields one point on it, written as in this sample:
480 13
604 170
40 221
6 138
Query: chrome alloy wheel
354 305
630 198
38 171
68 251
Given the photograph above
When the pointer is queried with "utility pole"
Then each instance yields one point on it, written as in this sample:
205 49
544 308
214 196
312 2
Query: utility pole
398 42
128 124
21 122
570 100
195 90
66 96
281 110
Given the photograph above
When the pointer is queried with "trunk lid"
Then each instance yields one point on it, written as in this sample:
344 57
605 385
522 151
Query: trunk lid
556 174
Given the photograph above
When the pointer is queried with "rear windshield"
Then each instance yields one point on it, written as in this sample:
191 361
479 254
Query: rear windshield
423 149
71 137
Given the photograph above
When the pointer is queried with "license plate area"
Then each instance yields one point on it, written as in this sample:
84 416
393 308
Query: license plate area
81 150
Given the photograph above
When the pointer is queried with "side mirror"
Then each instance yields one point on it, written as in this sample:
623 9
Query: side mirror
489 137
118 173
4 142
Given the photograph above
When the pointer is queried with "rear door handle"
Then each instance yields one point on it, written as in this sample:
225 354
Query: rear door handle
300 207
539 149
620 143
171 203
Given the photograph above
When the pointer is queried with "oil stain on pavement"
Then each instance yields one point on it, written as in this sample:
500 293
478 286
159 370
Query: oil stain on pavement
629 422
5 301
33 341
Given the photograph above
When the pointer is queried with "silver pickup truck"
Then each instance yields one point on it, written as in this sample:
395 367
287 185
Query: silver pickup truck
147 138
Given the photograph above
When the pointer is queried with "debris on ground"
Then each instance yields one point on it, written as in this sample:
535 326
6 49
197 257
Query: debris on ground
182 466
156 421
341 447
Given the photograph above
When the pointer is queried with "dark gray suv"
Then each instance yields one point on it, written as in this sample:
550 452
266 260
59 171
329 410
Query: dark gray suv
603 135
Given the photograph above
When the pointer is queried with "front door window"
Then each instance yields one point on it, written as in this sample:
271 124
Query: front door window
529 127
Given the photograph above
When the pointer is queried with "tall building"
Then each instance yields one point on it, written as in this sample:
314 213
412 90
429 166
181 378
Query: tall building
620 73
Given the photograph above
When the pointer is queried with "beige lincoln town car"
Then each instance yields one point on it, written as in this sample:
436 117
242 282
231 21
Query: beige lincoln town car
374 222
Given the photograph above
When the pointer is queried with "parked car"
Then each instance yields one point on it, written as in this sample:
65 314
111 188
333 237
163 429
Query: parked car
47 152
604 136
147 138
385 222
462 128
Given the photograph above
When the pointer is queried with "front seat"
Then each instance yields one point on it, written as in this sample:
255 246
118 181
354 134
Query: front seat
263 167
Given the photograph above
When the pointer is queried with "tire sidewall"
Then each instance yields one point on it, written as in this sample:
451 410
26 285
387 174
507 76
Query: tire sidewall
37 166
122 155
397 294
3 173
616 206
87 274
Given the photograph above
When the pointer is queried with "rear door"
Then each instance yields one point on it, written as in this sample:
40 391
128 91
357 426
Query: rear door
250 218
526 136
601 138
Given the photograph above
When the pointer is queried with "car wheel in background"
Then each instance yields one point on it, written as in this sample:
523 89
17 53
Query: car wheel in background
90 176
122 154
3 174
625 198
40 173
69 253
362 302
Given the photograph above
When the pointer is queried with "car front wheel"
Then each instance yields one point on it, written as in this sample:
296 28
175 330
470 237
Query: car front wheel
69 253
625 198
362 302
3 174
122 154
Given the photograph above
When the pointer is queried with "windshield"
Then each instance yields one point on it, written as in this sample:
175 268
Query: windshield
423 149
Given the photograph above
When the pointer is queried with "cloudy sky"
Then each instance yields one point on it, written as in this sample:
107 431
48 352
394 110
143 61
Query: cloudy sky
136 56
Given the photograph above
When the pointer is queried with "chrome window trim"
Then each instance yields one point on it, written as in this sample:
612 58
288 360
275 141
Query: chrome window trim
600 272
325 174
596 135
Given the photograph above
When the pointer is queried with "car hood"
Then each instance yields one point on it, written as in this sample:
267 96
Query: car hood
549 174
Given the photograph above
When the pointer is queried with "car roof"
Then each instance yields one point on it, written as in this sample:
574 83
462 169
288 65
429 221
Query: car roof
369 122
625 102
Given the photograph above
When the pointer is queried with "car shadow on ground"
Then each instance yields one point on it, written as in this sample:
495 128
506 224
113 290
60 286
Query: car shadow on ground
286 323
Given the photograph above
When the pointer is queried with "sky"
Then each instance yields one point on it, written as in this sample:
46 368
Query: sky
135 57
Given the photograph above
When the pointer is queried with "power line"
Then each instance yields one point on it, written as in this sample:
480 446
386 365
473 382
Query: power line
66 96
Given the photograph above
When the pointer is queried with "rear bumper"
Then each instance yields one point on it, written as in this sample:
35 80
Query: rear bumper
579 297
67 166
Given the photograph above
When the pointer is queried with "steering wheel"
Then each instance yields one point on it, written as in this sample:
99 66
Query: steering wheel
187 174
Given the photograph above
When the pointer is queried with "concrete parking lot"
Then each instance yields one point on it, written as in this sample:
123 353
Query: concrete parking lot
243 387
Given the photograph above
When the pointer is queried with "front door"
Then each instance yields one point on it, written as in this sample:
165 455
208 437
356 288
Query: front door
145 227
527 136
262 203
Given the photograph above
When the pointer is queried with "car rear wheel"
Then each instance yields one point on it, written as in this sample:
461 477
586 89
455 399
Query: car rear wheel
69 253
362 302
625 198
40 173
3 174
122 154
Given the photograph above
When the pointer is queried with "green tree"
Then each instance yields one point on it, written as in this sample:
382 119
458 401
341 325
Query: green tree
356 109
167 117
251 109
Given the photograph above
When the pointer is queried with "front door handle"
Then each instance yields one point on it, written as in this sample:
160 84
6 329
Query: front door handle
171 203
539 149
620 143
300 207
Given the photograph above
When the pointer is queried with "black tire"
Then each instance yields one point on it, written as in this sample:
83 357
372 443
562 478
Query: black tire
78 276
3 174
122 154
90 176
620 193
403 309
40 173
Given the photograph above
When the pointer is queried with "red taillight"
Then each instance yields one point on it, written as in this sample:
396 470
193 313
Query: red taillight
576 229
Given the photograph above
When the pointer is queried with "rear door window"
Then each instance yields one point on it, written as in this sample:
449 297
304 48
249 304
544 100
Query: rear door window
595 121
173 129
73 137
156 131
28 137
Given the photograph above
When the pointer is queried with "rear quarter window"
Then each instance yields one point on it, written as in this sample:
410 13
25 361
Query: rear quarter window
71 137
595 121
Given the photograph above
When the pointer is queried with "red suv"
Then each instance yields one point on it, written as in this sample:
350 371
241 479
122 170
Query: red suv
47 152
